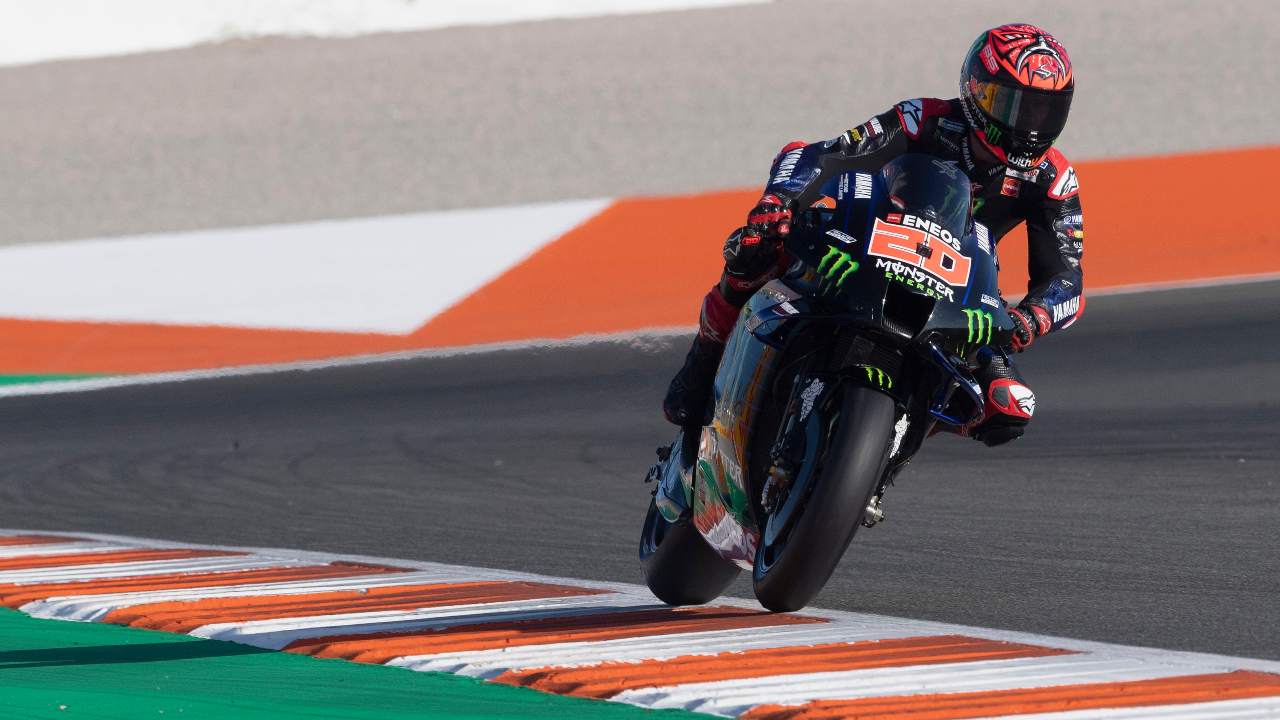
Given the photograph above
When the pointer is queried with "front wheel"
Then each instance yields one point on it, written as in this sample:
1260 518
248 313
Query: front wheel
792 565
680 568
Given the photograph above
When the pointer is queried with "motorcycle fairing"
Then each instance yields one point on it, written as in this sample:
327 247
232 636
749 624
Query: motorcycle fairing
721 505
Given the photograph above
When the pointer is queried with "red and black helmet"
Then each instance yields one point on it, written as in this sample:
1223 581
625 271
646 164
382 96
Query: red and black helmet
1016 91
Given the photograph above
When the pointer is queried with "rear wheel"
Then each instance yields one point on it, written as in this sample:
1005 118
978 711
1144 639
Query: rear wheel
799 552
680 568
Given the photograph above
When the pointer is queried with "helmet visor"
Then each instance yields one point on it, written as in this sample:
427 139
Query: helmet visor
1036 115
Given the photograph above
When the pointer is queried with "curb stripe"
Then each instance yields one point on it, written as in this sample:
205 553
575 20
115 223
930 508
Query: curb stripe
8 540
183 617
380 648
961 706
110 555
85 573
612 641
604 680
67 548
16 596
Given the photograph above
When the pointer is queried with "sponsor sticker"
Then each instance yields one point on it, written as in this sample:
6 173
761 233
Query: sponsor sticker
1066 310
1028 175
952 125
988 300
1011 187
787 166
843 237
984 237
861 186
842 187
933 265
874 127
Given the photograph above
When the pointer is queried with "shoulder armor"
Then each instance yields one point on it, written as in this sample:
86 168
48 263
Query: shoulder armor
913 114
1058 176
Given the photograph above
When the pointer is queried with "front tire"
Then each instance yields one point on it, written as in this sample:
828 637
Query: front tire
792 569
680 568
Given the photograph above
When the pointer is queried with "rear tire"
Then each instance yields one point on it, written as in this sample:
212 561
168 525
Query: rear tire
792 570
680 568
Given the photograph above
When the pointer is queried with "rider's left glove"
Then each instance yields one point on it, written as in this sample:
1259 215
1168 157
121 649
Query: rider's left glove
1029 323
771 217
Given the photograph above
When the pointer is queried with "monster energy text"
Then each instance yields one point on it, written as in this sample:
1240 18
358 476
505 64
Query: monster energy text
916 278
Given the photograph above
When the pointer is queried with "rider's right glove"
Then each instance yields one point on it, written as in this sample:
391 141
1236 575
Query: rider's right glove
1029 323
770 218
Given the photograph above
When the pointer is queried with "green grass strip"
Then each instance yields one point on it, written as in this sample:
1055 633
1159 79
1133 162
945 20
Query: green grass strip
59 669
21 379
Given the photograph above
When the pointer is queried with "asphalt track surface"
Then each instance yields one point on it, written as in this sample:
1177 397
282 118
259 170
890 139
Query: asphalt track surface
1141 508
283 130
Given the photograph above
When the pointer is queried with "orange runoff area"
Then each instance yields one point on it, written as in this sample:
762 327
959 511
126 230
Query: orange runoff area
1238 685
646 262
605 680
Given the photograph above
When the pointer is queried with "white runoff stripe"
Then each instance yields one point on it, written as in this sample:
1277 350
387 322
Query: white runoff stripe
94 607
1086 663
376 275
734 697
103 571
36 31
490 663
276 634
67 548
1251 709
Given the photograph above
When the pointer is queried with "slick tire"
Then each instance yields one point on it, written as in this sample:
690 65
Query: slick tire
680 568
791 571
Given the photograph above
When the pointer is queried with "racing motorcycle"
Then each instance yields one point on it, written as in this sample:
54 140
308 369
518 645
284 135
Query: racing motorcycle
833 377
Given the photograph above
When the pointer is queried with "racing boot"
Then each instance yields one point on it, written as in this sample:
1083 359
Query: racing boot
1009 402
690 390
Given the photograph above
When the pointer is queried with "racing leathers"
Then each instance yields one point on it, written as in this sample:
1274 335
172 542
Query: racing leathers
1045 197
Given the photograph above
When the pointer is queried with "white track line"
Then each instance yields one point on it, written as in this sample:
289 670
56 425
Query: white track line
650 337
657 337
1091 662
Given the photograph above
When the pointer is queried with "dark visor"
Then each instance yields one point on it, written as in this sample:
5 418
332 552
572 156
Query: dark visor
1023 111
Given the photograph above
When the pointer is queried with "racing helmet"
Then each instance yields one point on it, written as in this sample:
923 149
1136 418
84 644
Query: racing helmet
1016 89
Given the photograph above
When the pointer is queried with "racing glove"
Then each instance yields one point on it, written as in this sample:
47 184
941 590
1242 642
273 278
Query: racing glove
770 218
1029 323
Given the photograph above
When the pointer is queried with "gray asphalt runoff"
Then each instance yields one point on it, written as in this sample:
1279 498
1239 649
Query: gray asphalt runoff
280 130
1141 508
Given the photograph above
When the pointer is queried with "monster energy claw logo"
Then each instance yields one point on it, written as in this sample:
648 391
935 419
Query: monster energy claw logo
877 376
980 324
836 266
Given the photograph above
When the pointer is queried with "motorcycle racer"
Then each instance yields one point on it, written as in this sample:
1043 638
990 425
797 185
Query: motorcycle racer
1015 93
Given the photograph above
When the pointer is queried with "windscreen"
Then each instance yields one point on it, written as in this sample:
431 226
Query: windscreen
929 188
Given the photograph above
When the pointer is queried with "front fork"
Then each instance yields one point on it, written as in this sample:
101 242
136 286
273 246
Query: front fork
796 438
